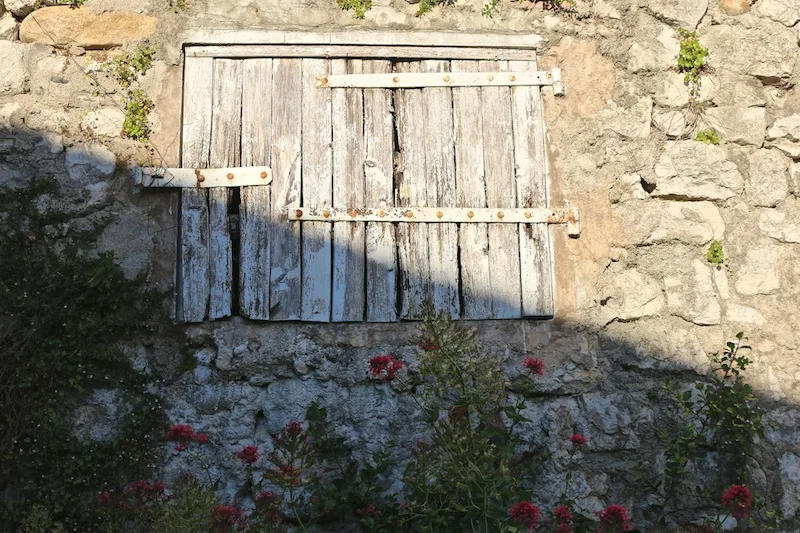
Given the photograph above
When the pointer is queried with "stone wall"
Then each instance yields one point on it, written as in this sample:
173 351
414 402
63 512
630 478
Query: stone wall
637 302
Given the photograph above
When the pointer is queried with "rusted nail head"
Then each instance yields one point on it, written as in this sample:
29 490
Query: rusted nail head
326 214
382 213
396 79
446 79
298 213
353 213
263 175
201 178
500 214
528 214
512 78
470 214
439 214
230 176
409 214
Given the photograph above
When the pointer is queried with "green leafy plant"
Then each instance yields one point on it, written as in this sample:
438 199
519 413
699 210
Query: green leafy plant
127 68
177 5
715 254
137 114
358 7
692 60
490 8
708 136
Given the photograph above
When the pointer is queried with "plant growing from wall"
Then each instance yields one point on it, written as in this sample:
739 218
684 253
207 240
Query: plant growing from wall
136 125
358 7
708 136
715 254
692 60
177 5
127 70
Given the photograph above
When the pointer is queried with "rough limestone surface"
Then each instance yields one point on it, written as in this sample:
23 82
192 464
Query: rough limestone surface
633 123
790 480
787 12
740 125
794 179
20 8
15 74
105 122
732 48
9 28
691 295
759 273
783 226
659 221
632 295
741 314
696 171
768 180
732 88
673 91
655 49
734 7
99 418
672 122
785 128
681 13
63 26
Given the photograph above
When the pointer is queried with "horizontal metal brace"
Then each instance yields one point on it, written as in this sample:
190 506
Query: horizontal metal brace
202 178
568 215
406 80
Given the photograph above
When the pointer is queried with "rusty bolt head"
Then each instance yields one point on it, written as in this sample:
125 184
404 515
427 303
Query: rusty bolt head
382 213
470 214
396 79
263 175
439 214
446 79
528 214
512 78
298 213
353 213
201 178
500 215
230 176
409 214
326 214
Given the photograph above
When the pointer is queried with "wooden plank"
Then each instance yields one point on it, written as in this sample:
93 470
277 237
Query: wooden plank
440 164
355 51
154 177
498 146
348 300
286 164
379 191
193 281
254 211
239 36
441 215
436 79
317 190
412 239
226 130
531 177
473 239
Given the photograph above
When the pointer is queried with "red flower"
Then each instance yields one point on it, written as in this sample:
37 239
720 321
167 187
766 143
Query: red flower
144 491
614 518
294 429
525 514
562 517
248 454
385 367
183 434
225 517
287 475
201 438
738 501
104 498
534 365
577 440
370 511
427 344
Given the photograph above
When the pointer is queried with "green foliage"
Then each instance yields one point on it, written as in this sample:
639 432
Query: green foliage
490 8
137 114
715 254
358 7
70 3
707 136
692 60
177 5
189 509
126 69
62 315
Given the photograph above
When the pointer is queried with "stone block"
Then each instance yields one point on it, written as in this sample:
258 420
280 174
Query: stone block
89 162
734 7
9 28
740 125
759 273
63 26
15 74
105 122
781 226
696 171
789 467
742 314
632 295
794 179
20 8
736 89
691 295
675 93
785 128
653 53
787 12
632 123
659 221
679 13
768 180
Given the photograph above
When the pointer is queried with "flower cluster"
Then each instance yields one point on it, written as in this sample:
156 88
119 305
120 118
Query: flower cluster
248 455
562 519
369 511
427 344
535 366
136 496
613 519
577 440
738 500
227 517
183 435
268 507
525 514
385 367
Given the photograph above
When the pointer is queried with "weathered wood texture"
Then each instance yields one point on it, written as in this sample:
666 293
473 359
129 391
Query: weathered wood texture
361 52
348 191
202 178
475 265
498 152
436 78
226 127
254 211
381 247
287 87
193 278
441 215
317 190
531 184
412 239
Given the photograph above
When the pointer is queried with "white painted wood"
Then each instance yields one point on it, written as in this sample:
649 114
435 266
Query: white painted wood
361 52
254 210
381 246
498 150
234 36
192 278
285 298
558 83
436 79
349 152
317 190
202 178
473 239
442 215
412 239
441 190
531 177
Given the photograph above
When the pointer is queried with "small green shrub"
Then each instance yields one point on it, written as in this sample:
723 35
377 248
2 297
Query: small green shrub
126 69
137 114
490 8
177 5
707 136
715 255
692 60
358 7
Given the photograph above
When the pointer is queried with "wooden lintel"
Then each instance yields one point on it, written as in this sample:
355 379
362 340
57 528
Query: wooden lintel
436 79
202 178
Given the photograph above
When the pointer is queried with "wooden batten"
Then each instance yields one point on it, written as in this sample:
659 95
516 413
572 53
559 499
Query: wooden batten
204 178
437 79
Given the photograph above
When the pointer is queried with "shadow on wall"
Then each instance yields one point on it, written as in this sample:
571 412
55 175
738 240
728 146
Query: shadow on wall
253 377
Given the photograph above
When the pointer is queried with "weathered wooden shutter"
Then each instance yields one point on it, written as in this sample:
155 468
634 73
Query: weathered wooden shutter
347 132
